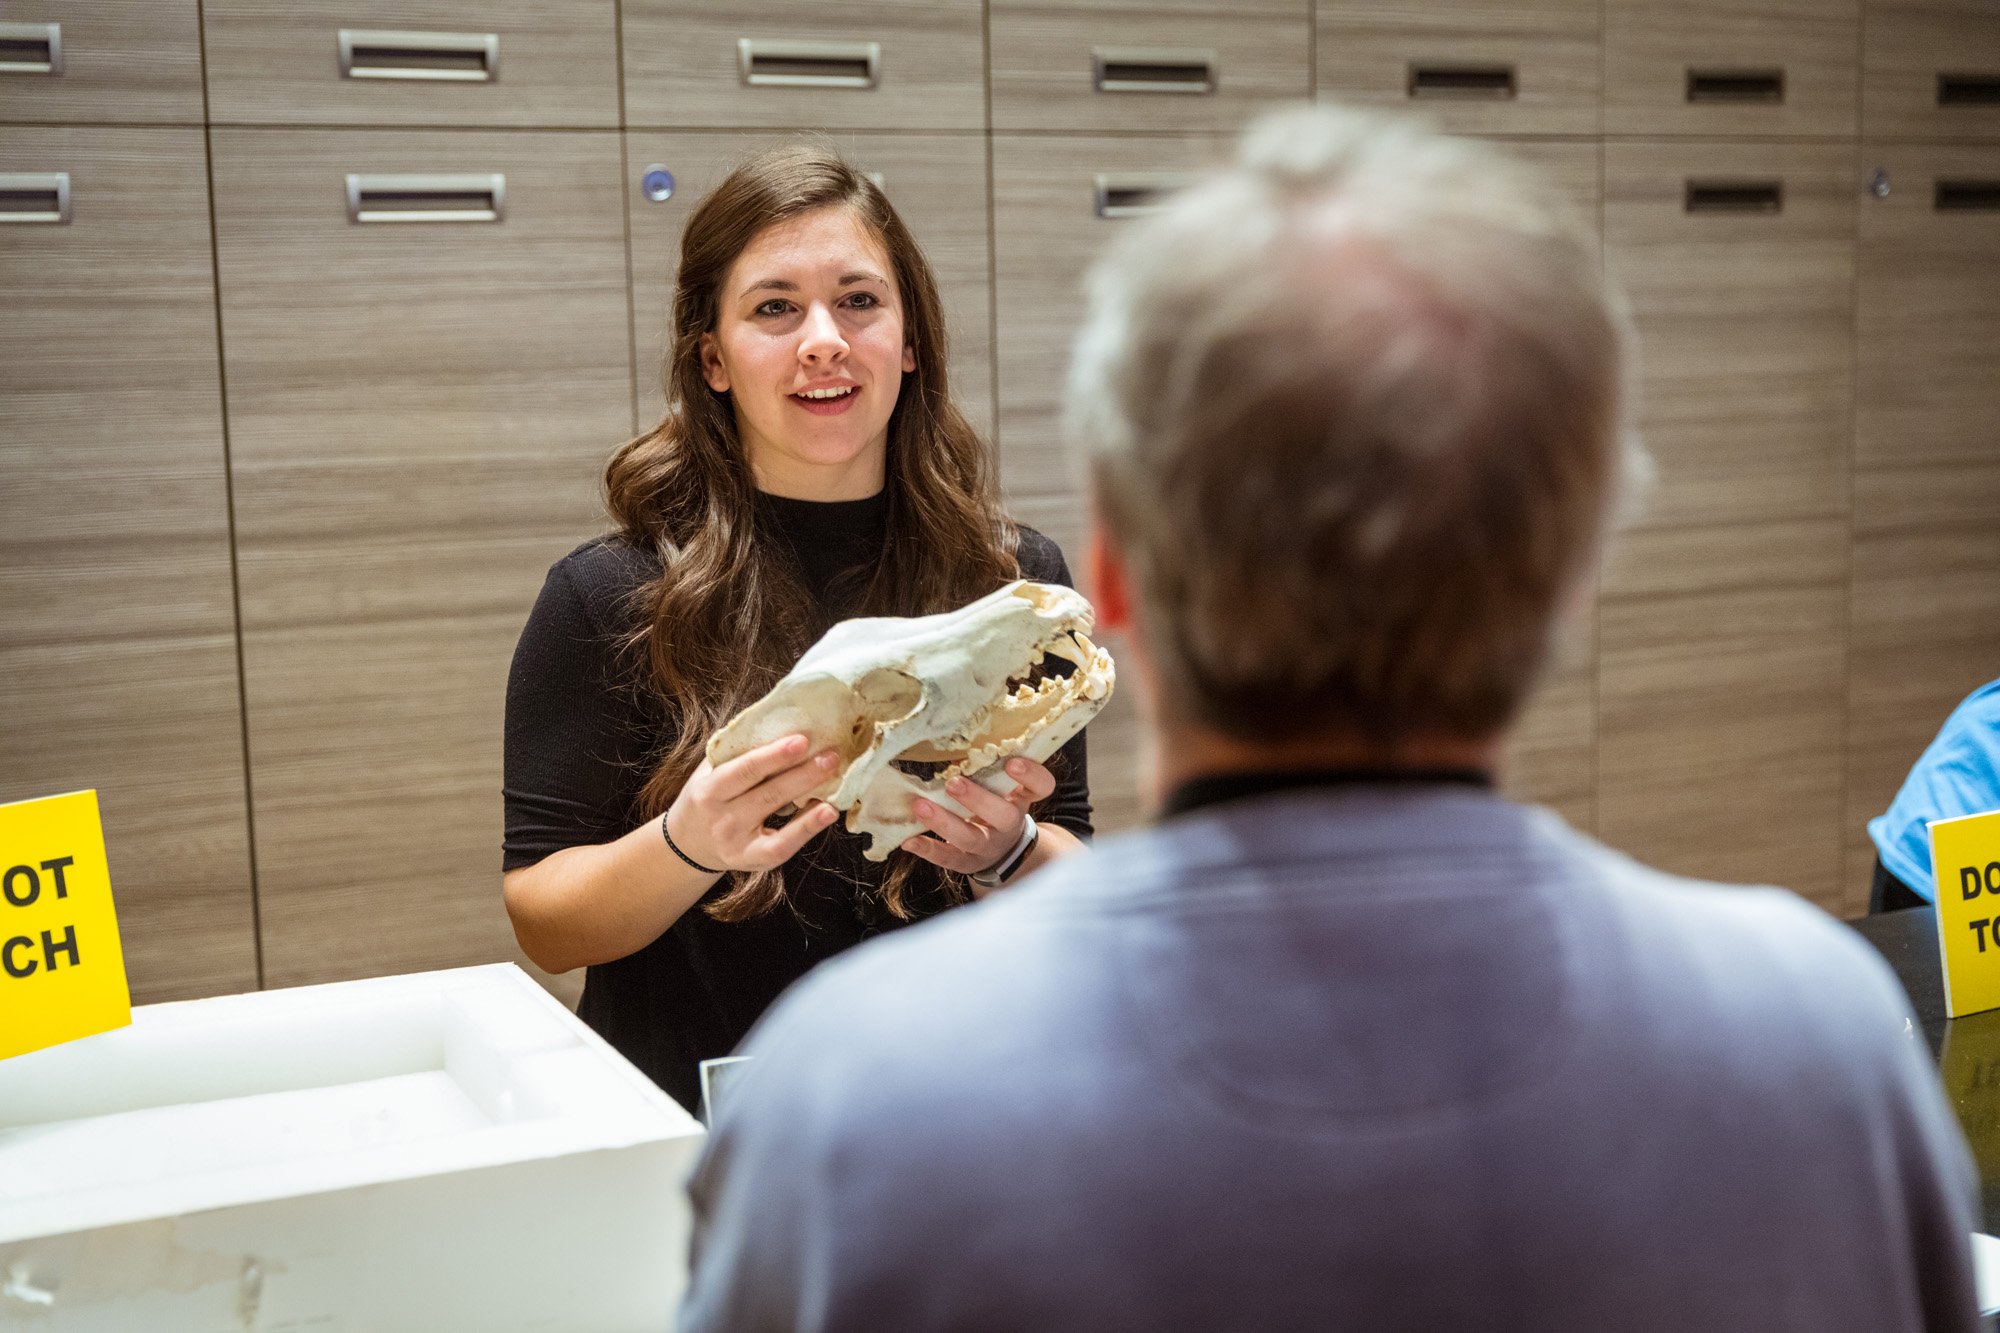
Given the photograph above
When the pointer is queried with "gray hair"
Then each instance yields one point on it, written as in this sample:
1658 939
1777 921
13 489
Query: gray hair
1355 415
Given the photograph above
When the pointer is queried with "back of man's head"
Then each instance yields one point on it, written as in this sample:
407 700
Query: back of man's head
1354 411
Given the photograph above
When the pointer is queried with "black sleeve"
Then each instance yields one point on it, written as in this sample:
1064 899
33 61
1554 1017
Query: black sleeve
1069 804
577 739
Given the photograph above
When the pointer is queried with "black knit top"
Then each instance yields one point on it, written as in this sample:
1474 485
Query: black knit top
582 736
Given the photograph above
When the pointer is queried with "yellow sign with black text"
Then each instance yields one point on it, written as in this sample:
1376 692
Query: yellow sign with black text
1965 852
62 972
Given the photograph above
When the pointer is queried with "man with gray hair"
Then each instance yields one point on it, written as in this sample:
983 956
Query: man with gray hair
1346 1040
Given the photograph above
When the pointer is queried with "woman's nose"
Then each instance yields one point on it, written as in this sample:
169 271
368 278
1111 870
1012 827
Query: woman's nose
820 339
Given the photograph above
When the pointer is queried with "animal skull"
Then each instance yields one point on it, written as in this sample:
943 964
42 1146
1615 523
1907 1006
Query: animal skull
949 690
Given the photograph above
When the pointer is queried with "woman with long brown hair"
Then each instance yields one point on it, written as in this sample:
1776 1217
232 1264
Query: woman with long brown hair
811 466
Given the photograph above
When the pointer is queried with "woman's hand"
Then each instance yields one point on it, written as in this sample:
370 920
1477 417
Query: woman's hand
972 845
718 819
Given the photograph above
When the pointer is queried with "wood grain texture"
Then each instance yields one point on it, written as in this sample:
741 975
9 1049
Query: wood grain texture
420 415
682 71
1649 48
936 182
1906 44
277 62
123 60
1365 52
1926 596
1046 233
1043 73
1745 325
1722 672
117 650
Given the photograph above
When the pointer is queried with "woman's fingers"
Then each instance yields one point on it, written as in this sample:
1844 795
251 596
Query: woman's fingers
788 786
1002 813
745 771
943 854
1037 783
776 846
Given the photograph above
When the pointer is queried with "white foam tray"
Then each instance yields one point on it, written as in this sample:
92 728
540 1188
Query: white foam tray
446 1150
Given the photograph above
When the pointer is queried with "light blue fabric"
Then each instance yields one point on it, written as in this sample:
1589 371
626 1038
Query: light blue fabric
1349 1060
1958 775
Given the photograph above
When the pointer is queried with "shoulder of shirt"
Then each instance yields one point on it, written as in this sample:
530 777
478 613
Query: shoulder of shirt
1040 558
604 571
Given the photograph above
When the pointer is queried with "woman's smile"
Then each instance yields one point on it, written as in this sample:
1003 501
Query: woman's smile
827 400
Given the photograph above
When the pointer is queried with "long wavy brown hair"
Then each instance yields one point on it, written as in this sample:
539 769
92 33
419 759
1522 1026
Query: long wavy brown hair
728 616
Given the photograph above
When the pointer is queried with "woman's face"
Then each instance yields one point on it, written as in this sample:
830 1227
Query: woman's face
808 343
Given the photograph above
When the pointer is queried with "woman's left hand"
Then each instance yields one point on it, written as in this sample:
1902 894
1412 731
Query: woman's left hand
972 845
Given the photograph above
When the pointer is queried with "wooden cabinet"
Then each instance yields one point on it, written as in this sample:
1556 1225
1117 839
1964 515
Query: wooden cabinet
118 661
1152 67
866 65
1925 618
395 62
419 413
1721 681
109 61
1057 202
1764 69
1475 66
1931 69
937 183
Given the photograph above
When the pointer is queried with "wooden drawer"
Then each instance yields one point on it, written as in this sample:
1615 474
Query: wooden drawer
1156 67
115 60
937 183
1474 66
873 64
1777 67
1047 228
1745 320
1931 69
1926 608
394 62
419 416
1721 682
118 647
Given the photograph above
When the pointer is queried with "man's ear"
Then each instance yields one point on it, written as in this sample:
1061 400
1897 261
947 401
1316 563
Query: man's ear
1110 586
712 368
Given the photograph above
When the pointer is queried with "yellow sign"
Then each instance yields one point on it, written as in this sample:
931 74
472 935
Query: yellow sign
62 972
1965 852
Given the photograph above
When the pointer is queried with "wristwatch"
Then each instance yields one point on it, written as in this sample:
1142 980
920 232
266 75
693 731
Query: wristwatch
1002 870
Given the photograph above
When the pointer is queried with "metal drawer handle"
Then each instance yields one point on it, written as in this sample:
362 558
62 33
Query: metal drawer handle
1967 196
475 197
1134 194
454 57
1465 81
1736 85
31 48
1717 196
1153 69
782 64
1968 89
34 196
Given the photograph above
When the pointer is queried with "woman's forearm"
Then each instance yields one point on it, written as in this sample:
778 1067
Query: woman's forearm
1052 843
594 904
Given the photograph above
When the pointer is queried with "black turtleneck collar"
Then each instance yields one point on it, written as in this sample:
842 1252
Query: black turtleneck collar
827 538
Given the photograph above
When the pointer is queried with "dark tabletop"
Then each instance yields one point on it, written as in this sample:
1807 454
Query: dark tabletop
1967 1049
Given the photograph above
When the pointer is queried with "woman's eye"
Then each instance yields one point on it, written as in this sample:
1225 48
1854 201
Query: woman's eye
773 307
863 300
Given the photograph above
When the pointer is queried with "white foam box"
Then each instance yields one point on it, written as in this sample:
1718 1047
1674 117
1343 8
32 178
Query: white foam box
446 1150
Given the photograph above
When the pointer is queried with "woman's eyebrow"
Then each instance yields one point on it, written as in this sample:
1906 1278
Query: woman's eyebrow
771 284
862 275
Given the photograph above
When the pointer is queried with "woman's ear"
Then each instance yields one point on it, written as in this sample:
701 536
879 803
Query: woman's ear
712 368
909 359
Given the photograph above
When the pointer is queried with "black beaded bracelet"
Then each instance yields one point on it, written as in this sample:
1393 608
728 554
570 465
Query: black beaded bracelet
681 854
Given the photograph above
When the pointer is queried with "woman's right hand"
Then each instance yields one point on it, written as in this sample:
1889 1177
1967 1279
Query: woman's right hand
718 818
